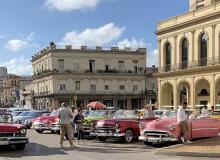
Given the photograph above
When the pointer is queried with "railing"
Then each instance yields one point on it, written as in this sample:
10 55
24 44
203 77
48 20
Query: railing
185 65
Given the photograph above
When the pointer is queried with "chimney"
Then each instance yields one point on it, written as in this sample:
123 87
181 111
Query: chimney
68 47
114 49
98 48
83 48
52 45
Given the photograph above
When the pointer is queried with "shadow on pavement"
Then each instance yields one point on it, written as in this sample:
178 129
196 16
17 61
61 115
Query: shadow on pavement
32 149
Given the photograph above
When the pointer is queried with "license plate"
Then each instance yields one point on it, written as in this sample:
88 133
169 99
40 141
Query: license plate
152 140
3 142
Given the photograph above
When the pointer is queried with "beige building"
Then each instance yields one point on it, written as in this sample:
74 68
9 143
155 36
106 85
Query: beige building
11 85
189 56
79 76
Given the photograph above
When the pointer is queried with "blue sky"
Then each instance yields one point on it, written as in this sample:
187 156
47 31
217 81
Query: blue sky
28 25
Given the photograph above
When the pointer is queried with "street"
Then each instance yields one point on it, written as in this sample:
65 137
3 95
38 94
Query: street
46 146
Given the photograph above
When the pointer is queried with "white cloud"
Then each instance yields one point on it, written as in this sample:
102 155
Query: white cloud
16 44
71 5
152 58
20 66
93 36
133 43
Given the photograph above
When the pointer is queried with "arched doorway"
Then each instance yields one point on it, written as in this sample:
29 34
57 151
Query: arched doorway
202 92
217 93
167 95
184 53
183 94
203 49
167 57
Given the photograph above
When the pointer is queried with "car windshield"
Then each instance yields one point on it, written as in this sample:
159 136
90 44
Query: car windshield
215 113
98 114
6 118
172 113
24 114
35 114
15 113
54 113
158 113
127 114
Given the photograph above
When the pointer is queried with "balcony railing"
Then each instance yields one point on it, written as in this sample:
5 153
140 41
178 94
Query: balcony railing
205 62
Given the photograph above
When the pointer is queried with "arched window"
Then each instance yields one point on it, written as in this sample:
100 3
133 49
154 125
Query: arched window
203 49
204 92
168 56
185 47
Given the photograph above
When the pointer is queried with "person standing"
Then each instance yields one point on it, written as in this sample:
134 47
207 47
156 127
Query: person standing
65 116
182 121
79 125
205 111
149 112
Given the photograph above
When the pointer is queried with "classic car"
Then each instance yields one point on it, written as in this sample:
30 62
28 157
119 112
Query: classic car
168 130
124 126
55 123
12 134
25 118
40 124
94 116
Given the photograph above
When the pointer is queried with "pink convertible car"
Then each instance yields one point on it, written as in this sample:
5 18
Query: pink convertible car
168 130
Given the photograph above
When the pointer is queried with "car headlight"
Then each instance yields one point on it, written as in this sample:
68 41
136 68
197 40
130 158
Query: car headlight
117 125
23 131
91 124
171 127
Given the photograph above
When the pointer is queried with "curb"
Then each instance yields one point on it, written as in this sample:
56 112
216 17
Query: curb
190 154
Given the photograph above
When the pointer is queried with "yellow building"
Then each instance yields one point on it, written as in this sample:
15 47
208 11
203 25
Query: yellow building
189 56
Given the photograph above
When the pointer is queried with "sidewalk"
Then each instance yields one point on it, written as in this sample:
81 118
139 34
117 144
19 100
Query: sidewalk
201 148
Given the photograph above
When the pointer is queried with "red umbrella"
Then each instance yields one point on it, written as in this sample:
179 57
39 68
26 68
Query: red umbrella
96 105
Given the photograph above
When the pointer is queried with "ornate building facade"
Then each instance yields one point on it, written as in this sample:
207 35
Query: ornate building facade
78 76
189 56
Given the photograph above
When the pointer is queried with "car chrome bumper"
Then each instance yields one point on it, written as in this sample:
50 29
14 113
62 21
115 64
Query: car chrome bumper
116 135
13 140
41 126
156 139
55 127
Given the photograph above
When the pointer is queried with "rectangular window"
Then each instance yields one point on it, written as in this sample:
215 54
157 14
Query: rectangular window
61 64
135 87
107 87
93 87
121 65
106 67
62 87
77 85
122 87
91 65
153 86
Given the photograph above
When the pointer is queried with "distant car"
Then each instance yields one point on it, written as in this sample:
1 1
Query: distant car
12 134
40 124
168 130
123 126
55 122
25 118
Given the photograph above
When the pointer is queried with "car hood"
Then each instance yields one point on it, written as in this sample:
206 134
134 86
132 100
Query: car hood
6 127
22 118
161 124
88 120
42 119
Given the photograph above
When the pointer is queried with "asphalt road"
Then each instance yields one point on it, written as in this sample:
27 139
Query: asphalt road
46 147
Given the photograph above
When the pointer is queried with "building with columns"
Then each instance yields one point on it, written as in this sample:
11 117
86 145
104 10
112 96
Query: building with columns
189 56
78 76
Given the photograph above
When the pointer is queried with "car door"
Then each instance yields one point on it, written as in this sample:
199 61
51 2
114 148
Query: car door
204 127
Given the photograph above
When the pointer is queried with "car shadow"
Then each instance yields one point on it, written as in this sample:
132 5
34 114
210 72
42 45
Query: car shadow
32 149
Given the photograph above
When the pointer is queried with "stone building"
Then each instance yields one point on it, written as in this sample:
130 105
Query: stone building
3 73
78 76
189 56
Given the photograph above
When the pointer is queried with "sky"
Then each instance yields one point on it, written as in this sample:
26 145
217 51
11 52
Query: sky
27 26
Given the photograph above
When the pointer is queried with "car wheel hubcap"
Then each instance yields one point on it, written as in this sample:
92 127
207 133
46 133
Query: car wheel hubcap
129 136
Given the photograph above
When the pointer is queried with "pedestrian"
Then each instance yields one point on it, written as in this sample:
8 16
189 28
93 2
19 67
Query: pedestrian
79 125
65 116
148 111
205 111
182 121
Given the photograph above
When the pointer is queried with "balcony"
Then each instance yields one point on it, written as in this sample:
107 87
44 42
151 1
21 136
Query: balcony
202 63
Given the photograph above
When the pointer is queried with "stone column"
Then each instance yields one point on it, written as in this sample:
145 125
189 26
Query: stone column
175 104
175 53
192 49
192 93
128 104
213 41
212 91
159 53
159 98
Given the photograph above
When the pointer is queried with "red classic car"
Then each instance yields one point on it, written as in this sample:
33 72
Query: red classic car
167 129
11 133
43 123
124 125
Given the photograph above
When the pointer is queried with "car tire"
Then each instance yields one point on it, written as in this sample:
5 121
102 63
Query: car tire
39 131
128 138
58 132
103 139
19 146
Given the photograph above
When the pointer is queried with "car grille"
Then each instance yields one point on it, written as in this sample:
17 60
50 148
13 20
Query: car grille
105 130
10 135
158 134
